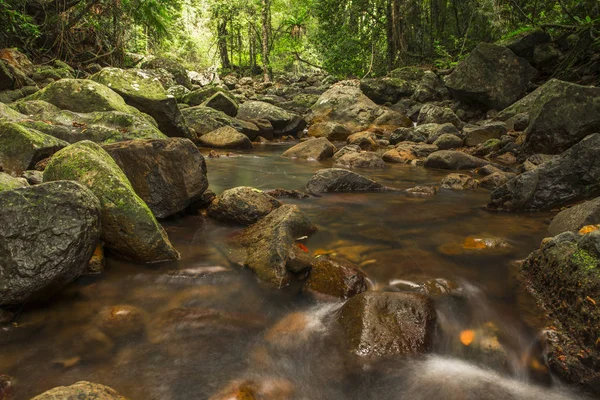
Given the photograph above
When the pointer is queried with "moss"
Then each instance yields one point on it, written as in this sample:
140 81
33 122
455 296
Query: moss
8 182
491 143
585 261
134 83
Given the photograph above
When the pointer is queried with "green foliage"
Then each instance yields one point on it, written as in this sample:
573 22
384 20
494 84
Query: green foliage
17 29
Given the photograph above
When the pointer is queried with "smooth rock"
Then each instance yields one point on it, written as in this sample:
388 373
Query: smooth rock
81 391
453 160
313 149
244 205
341 180
225 138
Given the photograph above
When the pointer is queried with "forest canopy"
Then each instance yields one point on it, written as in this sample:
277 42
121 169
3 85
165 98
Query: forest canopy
343 37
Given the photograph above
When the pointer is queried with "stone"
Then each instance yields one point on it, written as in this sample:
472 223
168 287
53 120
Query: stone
546 57
383 324
270 244
351 148
8 182
459 182
336 278
141 91
571 177
283 122
121 322
243 205
333 131
173 67
203 120
386 90
411 73
407 135
221 102
178 92
129 229
168 174
22 148
341 180
345 104
81 391
17 60
491 76
398 157
475 135
365 159
48 233
523 44
430 88
364 140
576 217
448 141
199 96
496 179
453 160
314 149
225 138
432 114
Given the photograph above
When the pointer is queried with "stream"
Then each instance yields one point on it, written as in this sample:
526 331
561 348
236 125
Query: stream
202 325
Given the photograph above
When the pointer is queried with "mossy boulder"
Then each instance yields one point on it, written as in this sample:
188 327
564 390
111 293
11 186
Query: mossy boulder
8 182
283 122
244 205
147 94
199 96
386 90
225 138
203 120
45 72
220 101
99 126
21 148
174 67
524 43
48 233
129 229
564 276
81 391
491 77
413 74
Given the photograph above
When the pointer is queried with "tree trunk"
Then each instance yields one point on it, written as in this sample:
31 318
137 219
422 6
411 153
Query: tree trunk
222 43
266 5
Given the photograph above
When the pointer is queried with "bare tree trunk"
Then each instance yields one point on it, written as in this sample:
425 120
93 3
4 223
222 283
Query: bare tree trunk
266 5
222 43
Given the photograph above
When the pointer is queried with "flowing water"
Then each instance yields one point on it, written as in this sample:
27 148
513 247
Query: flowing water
210 325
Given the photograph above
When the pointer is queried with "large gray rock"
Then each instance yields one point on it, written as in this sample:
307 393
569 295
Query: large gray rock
383 324
221 102
81 391
244 205
341 180
524 44
453 160
432 114
573 176
173 67
479 134
129 229
386 90
367 159
269 247
313 149
491 76
21 148
168 174
203 120
225 138
576 217
284 122
147 94
48 234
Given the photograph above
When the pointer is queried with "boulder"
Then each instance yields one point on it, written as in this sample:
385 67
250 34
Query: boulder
383 324
21 148
168 174
178 92
173 67
17 60
284 122
221 102
225 138
407 135
448 141
563 275
430 88
496 179
336 278
244 205
523 44
314 149
81 391
48 233
141 91
386 90
459 182
203 120
270 248
364 140
411 73
576 217
129 229
346 105
365 159
491 76
475 135
351 148
341 180
432 114
332 131
453 160
573 176
199 96
8 182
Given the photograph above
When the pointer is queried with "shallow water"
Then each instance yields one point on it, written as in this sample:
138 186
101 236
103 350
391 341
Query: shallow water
213 324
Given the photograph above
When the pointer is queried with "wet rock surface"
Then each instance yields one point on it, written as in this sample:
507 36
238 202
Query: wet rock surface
313 149
81 391
225 138
341 180
244 205
453 160
335 277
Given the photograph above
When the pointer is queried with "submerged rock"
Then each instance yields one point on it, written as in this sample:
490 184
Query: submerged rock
491 76
270 244
129 228
341 180
378 324
244 205
453 160
573 176
81 391
22 148
313 149
122 322
168 174
48 233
